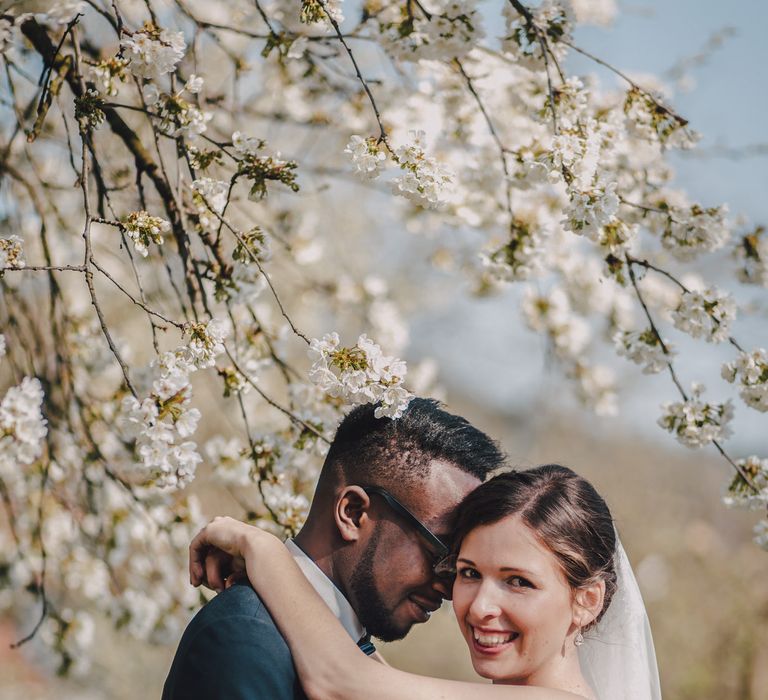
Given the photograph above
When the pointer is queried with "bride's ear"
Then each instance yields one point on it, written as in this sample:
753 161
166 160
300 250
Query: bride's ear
351 512
587 603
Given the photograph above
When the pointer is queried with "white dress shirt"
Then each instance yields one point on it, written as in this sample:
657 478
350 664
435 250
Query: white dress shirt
327 590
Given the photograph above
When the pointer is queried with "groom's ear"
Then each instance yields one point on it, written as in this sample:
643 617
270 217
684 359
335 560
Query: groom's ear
587 603
351 512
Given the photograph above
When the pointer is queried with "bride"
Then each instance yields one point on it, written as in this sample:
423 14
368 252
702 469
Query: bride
543 594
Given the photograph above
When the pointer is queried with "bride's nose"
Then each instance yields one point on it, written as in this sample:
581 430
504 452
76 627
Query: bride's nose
485 604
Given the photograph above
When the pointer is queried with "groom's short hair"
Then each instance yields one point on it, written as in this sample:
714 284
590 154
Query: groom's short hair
370 450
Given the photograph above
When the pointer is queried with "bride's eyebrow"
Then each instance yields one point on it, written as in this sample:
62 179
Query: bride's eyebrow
515 569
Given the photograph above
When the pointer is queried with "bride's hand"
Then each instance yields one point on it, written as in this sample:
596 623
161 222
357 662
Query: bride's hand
218 552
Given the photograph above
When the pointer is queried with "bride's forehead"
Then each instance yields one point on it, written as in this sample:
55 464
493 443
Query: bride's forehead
508 536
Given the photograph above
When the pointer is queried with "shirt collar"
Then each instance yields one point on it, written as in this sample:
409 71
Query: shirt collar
326 589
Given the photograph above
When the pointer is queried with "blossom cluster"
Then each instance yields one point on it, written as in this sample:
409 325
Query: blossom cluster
647 118
424 179
176 115
214 193
523 43
12 252
366 155
359 374
695 230
161 422
108 73
321 10
695 422
143 229
644 348
752 256
751 371
153 52
449 31
706 314
22 428
749 487
519 258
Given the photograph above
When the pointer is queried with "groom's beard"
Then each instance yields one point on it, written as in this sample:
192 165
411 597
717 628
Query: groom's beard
371 608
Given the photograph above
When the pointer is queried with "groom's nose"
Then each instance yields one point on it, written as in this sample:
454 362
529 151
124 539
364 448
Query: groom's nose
443 585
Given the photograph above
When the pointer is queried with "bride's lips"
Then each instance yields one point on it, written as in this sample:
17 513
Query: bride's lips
491 642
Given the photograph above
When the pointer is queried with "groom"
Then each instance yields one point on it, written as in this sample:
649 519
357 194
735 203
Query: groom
380 519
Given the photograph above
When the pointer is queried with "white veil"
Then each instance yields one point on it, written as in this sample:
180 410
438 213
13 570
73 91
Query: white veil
617 656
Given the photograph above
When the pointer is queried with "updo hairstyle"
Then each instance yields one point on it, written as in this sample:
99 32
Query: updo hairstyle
562 509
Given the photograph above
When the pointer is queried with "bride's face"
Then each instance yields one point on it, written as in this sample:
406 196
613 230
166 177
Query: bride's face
513 604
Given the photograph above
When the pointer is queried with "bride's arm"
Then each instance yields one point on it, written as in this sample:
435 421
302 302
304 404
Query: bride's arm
328 662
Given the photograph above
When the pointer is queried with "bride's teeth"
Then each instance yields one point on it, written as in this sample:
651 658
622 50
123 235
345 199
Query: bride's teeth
490 640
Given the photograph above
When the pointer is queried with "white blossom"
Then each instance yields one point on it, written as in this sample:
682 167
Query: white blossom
360 374
751 492
214 192
424 179
520 257
706 314
160 423
751 371
245 145
450 32
696 423
366 156
695 230
143 229
597 12
291 509
596 388
194 84
551 313
589 211
752 256
230 461
22 427
152 52
644 348
523 44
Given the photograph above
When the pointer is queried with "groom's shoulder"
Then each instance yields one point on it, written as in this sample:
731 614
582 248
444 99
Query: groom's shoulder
237 600
239 610
232 646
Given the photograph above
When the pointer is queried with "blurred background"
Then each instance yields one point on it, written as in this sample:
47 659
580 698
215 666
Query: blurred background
703 580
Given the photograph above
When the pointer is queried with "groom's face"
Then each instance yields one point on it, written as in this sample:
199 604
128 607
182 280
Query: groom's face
393 585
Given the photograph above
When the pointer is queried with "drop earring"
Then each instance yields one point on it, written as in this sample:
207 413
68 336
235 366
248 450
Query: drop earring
578 640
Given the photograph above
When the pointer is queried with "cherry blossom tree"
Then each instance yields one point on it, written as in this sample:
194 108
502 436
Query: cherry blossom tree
166 166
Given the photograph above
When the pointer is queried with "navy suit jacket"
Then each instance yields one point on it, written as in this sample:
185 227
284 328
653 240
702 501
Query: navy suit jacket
232 649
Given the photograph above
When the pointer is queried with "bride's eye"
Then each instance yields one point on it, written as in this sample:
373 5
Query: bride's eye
467 572
519 582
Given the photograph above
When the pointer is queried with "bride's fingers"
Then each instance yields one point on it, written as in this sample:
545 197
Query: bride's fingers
217 567
197 551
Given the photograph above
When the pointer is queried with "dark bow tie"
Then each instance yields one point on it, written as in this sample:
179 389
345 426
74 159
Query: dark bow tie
366 644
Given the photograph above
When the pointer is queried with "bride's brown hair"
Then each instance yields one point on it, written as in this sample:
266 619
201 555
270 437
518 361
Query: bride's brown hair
562 509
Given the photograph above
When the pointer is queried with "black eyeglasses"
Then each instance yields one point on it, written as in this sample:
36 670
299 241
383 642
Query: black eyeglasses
439 548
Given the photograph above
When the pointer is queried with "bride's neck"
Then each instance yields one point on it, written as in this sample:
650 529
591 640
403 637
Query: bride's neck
563 674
